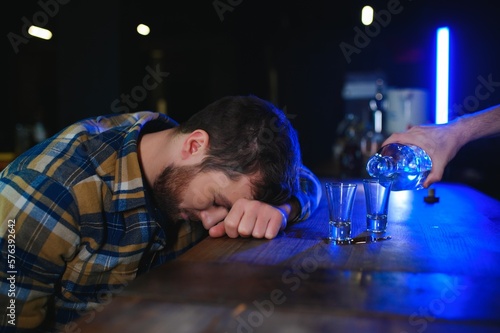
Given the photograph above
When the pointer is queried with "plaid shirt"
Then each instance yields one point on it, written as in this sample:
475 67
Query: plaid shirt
81 221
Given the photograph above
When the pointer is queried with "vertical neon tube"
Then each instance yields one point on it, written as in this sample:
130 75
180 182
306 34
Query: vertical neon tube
442 74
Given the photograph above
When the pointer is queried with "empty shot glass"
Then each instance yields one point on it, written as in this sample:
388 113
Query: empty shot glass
340 198
377 204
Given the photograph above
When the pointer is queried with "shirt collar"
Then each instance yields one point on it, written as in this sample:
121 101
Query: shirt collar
128 188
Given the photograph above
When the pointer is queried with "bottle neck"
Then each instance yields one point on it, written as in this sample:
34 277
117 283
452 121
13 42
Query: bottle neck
381 166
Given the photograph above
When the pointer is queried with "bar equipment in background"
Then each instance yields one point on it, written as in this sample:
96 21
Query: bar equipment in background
346 150
405 107
359 89
374 135
373 111
360 133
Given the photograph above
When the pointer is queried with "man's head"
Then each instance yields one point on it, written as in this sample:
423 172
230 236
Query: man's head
238 147
251 137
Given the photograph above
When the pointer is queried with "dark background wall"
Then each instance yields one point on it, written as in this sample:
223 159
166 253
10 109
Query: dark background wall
284 51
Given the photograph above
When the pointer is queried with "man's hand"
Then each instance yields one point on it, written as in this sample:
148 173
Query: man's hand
439 141
251 218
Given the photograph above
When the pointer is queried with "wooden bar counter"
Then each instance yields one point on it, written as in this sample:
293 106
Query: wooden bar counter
440 272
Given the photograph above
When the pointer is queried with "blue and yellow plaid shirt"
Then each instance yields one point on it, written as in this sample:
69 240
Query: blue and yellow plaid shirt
81 223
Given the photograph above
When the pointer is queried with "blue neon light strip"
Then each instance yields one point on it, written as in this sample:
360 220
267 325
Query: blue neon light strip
442 74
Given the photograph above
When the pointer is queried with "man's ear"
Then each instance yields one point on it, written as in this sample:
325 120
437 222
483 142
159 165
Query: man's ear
195 144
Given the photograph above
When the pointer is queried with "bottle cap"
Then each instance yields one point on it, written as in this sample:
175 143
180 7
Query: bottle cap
431 196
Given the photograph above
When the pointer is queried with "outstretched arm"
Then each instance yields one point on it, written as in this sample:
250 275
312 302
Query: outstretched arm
442 142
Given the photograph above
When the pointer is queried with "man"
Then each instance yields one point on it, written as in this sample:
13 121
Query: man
106 199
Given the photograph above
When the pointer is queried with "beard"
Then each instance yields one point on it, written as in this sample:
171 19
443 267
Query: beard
169 188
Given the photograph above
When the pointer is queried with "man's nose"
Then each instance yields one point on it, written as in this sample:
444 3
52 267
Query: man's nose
213 215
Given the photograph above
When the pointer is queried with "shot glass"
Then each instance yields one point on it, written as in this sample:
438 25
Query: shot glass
340 198
377 204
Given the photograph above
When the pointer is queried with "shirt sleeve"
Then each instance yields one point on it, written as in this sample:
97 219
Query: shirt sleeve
309 194
37 236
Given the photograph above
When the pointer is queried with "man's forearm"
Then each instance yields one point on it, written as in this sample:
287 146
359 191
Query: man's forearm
479 124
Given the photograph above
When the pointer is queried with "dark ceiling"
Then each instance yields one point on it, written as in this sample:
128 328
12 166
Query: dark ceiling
218 47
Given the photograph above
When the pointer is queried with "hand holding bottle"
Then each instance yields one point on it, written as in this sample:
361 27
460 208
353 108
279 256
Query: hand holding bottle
436 140
442 142
405 166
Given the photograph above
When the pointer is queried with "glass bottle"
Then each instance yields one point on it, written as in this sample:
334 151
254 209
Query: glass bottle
407 166
374 136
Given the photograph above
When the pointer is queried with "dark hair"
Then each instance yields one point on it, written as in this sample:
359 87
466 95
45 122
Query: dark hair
250 136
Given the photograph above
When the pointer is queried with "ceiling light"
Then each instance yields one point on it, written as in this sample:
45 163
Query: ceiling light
367 15
143 29
40 32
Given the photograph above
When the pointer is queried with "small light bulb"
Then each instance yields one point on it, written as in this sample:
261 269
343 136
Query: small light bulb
367 15
143 29
40 32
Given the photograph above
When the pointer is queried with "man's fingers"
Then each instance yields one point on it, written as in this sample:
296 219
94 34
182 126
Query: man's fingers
432 178
212 217
260 227
217 230
249 218
232 222
248 222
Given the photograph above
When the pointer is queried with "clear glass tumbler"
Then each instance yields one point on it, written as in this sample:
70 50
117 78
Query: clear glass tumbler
340 198
377 204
